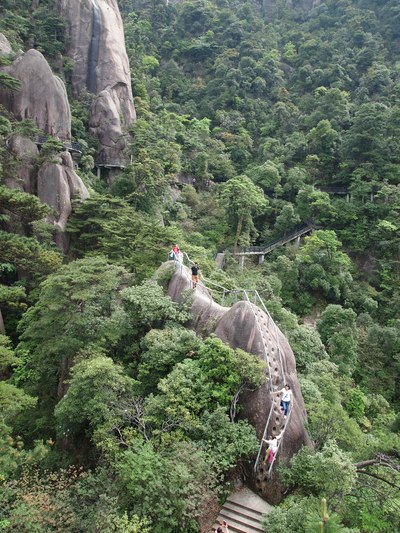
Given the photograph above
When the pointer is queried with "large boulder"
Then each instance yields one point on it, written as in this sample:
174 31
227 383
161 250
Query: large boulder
42 96
97 46
58 184
5 47
250 328
43 99
105 123
25 153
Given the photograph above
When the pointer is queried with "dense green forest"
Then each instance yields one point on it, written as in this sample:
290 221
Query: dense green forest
252 120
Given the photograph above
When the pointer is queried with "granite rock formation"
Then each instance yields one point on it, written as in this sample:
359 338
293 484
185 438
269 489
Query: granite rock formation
5 47
43 99
25 153
42 96
58 184
239 328
101 66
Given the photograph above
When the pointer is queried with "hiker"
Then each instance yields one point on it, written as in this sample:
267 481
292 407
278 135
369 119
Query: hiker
223 528
286 399
174 254
195 274
272 446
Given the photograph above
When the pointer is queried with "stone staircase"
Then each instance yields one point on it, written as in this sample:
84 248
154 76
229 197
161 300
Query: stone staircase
243 511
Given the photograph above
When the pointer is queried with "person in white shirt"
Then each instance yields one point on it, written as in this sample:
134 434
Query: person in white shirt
273 446
286 399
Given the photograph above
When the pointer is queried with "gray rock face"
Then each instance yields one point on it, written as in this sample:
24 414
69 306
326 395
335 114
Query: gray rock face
42 97
246 326
106 124
101 66
25 152
57 185
5 47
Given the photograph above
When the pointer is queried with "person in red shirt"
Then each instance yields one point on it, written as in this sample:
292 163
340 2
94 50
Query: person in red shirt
175 252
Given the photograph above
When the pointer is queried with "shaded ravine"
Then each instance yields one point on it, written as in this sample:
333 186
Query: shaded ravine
94 47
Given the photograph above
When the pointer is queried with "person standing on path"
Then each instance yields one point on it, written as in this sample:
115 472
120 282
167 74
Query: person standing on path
195 274
286 399
175 251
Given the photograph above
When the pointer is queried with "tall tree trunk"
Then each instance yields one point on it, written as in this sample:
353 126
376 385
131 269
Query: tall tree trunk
238 232
2 328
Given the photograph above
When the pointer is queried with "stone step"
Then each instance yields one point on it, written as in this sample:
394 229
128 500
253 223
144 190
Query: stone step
240 517
243 510
238 523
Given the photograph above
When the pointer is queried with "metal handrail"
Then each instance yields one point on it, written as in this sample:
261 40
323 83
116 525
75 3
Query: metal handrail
204 278
269 473
272 393
264 247
200 284
271 410
281 366
271 388
276 332
71 145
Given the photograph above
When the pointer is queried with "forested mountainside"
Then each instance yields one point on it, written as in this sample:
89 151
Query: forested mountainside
252 119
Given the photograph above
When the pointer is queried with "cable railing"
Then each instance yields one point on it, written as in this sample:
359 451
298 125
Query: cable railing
256 302
180 263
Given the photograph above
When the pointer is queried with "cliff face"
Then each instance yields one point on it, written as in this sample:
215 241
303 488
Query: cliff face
57 185
246 326
97 46
25 154
42 97
5 48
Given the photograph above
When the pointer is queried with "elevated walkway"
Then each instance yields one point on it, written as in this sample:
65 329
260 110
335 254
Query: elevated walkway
347 192
73 147
264 249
